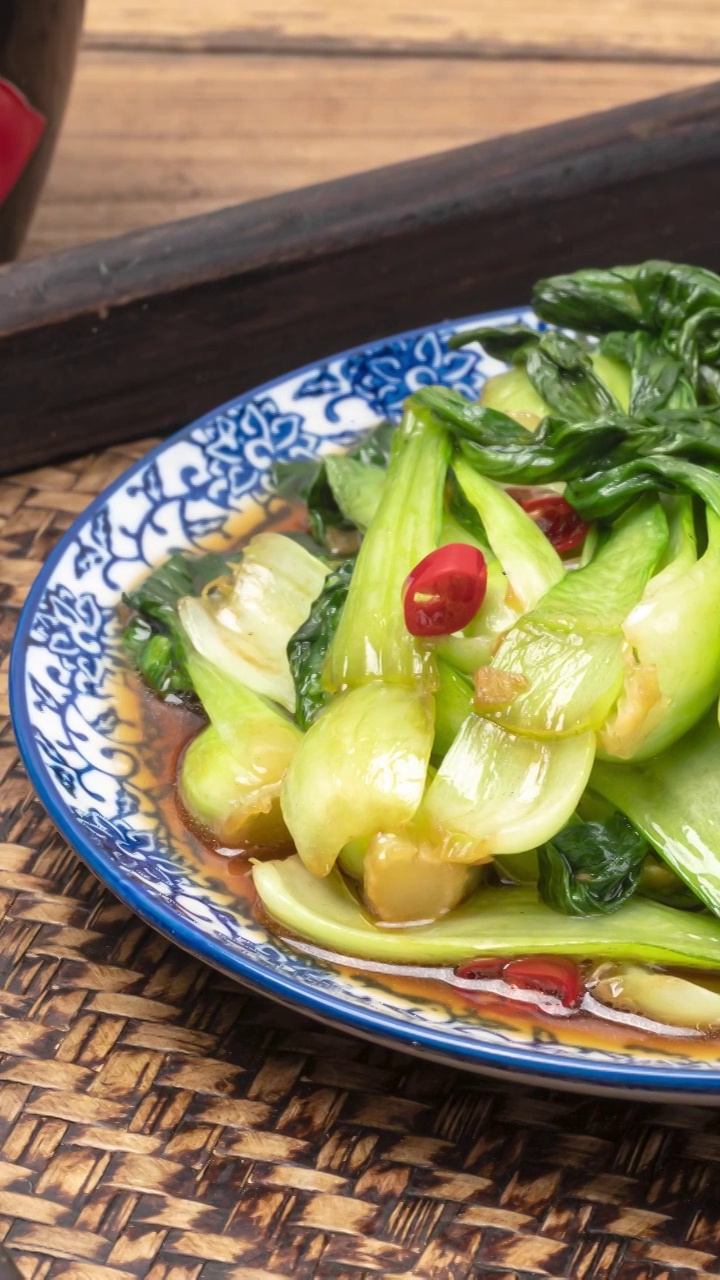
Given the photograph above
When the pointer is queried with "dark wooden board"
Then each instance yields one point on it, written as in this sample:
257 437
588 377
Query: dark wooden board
138 335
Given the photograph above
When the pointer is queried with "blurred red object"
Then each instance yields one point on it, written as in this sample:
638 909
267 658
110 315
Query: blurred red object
38 45
21 128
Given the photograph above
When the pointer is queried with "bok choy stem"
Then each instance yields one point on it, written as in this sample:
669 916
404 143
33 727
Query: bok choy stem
231 774
568 650
494 922
362 766
672 801
372 641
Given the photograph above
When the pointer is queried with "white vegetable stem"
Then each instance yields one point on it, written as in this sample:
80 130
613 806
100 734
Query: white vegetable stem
246 634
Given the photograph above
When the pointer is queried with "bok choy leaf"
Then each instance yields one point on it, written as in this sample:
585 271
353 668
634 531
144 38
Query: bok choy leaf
677 303
560 369
371 641
566 655
153 637
360 769
673 635
246 632
591 868
497 793
231 773
493 922
362 765
308 647
338 490
672 801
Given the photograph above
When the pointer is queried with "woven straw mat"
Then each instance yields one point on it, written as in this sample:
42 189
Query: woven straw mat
157 1121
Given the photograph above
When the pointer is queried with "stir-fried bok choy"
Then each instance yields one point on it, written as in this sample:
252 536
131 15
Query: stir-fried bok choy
474 712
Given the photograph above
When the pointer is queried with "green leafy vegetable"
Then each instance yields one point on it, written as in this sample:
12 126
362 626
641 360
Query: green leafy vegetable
245 632
497 793
357 488
672 801
232 772
672 670
591 867
559 368
360 768
493 922
657 379
677 303
308 647
604 494
567 653
371 640
322 484
505 342
153 637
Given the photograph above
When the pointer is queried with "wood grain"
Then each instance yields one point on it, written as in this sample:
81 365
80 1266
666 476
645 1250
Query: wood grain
145 332
570 28
151 137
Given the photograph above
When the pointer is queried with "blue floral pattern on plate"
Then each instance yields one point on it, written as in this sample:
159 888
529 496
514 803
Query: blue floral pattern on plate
83 750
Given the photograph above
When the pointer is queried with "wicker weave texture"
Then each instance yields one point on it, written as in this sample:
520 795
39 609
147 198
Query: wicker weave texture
157 1121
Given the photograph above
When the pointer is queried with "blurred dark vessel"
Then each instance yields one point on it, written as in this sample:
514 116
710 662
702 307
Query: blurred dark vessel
38 45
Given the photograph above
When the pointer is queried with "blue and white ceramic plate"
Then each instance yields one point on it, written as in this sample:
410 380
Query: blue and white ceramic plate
84 739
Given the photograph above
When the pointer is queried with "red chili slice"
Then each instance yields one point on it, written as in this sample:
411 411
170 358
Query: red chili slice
21 128
444 591
552 975
560 522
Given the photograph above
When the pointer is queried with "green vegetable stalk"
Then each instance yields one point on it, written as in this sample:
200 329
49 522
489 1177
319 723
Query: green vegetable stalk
672 801
153 637
673 639
498 793
453 704
362 766
360 769
245 632
528 559
494 922
231 773
372 641
563 661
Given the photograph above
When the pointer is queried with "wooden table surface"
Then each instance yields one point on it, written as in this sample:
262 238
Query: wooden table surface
180 107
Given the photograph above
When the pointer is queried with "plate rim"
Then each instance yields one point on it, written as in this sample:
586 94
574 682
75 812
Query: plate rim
368 1022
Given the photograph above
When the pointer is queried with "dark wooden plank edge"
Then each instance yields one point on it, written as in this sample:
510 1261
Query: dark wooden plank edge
137 335
251 41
